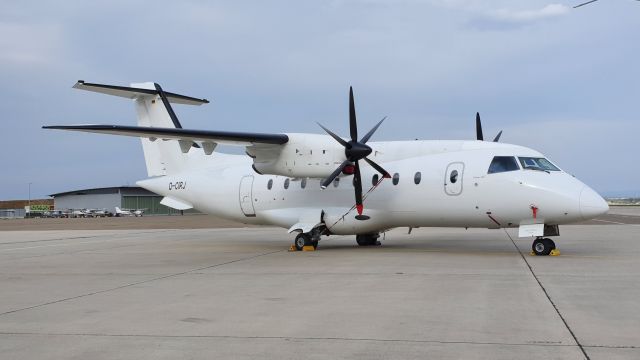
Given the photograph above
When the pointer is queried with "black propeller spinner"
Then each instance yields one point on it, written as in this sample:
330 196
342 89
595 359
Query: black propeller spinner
354 150
479 130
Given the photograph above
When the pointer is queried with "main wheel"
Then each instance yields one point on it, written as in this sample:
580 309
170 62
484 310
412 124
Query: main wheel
302 240
363 240
367 239
542 247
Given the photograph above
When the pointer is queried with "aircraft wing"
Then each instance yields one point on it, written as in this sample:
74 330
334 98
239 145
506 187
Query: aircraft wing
182 135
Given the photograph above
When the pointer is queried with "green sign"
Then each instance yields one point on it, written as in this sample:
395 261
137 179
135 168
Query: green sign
40 208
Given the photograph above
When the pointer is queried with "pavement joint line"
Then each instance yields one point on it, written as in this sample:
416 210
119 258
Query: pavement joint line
614 222
77 251
566 324
544 344
82 237
74 252
138 283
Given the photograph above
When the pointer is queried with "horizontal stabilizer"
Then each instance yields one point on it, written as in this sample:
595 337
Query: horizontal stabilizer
155 133
136 92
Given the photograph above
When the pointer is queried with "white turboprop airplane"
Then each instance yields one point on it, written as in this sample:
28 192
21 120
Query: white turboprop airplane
129 212
306 182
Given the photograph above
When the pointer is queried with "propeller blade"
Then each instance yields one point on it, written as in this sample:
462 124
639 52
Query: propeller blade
334 175
353 125
370 133
357 184
336 137
497 138
585 3
378 168
479 128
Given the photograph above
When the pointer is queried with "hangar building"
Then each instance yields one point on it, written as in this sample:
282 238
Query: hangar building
125 197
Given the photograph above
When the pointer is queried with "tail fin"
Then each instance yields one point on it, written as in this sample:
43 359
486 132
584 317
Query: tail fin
153 109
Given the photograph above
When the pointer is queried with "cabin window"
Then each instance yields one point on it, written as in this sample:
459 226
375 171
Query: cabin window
286 183
532 163
396 178
374 179
270 184
454 176
503 164
303 183
336 182
417 177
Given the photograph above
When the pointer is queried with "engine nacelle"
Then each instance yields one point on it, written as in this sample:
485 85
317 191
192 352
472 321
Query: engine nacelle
304 155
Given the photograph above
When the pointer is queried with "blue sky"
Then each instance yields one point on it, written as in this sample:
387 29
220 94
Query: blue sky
563 81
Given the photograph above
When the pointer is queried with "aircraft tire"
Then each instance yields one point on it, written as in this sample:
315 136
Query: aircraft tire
302 240
362 240
550 243
367 240
542 247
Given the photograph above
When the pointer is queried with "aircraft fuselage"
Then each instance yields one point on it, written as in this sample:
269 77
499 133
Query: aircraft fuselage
439 184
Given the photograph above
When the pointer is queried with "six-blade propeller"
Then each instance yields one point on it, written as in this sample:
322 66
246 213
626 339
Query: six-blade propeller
354 151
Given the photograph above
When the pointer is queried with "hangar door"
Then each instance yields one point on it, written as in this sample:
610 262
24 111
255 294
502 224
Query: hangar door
246 196
453 178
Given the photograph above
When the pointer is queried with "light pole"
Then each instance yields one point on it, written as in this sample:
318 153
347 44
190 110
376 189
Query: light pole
29 199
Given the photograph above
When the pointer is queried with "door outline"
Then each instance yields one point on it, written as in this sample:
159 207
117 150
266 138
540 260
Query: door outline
245 196
454 189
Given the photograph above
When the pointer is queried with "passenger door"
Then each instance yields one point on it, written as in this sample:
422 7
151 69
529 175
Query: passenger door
453 178
246 196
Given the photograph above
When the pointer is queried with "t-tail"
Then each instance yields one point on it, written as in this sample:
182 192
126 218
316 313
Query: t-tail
168 148
153 109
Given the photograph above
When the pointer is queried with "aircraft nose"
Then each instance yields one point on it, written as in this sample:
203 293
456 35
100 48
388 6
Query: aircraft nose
592 204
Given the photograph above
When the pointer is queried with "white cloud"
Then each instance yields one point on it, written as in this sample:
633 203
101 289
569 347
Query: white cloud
525 16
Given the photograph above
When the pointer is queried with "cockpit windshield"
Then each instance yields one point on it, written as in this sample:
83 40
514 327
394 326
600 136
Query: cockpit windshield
503 164
533 163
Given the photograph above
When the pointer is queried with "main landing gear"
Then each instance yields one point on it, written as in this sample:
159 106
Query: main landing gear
306 240
544 246
368 240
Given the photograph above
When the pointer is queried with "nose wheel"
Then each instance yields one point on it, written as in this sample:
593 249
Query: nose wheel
543 246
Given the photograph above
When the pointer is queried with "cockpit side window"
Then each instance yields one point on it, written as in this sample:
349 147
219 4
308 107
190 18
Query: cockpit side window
532 163
503 164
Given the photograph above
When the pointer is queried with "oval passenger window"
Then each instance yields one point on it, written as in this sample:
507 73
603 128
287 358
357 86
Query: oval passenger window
396 179
270 184
417 177
286 184
454 176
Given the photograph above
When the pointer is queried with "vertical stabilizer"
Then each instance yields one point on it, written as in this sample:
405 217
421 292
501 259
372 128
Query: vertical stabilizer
153 108
161 157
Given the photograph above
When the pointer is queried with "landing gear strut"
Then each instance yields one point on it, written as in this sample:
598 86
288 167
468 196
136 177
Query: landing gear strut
368 240
543 246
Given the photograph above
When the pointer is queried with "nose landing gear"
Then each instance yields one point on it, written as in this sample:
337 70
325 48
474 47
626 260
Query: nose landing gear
543 247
